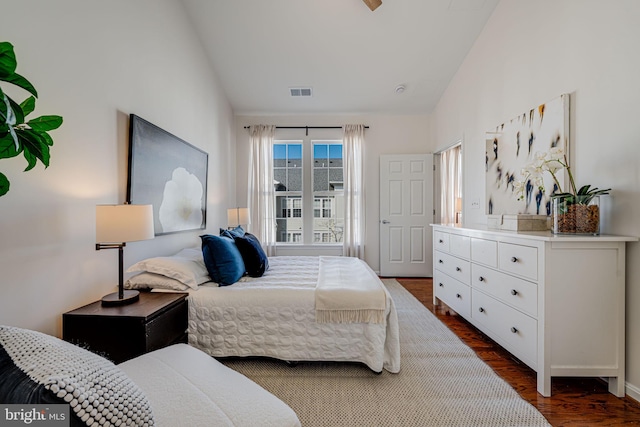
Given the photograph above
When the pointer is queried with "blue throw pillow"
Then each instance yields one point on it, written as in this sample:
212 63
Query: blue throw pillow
222 259
234 232
255 260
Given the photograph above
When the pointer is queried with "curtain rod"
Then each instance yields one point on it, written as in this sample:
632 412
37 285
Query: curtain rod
307 128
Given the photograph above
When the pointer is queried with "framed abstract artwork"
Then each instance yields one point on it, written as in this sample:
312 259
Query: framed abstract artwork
513 145
169 174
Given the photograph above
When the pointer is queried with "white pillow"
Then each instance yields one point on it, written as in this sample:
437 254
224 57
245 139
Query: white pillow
187 266
154 281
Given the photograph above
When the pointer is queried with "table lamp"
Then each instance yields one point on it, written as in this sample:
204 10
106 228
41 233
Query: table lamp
238 216
116 225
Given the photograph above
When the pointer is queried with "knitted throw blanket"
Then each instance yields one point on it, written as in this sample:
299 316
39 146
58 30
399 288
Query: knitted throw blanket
348 291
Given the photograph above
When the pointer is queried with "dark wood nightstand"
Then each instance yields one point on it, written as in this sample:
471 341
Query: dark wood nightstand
121 333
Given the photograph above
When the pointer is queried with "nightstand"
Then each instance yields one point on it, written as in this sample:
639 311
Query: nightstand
121 333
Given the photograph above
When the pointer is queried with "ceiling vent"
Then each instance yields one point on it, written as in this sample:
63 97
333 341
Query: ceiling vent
300 91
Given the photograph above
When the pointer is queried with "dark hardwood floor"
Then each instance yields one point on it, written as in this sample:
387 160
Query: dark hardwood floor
574 401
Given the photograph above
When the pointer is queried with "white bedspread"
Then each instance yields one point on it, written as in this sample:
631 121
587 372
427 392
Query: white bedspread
274 316
348 291
185 387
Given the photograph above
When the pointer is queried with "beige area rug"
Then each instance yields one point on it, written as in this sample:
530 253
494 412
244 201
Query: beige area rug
441 383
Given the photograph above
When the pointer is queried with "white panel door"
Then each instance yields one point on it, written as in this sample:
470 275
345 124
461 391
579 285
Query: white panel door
406 210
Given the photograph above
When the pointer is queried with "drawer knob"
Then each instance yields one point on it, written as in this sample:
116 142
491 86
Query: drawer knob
481 310
514 259
481 279
458 296
458 269
514 292
514 330
440 241
441 261
441 285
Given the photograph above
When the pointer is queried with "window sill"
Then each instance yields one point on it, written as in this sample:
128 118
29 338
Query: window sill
287 249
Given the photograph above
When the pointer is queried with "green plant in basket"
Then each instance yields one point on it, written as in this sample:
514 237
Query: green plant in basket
583 196
19 135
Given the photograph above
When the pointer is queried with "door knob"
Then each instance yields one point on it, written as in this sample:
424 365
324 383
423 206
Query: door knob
384 221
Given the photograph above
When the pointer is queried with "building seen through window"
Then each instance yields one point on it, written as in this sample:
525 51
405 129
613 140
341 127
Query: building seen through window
321 200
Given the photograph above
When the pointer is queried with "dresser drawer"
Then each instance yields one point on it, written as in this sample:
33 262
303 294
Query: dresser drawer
515 330
441 241
460 246
457 268
515 292
484 252
455 294
518 259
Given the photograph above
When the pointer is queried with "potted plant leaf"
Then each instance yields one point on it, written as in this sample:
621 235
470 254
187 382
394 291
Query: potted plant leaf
576 211
19 135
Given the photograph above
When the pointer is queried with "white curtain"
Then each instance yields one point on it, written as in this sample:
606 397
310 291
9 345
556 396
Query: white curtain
450 182
261 197
354 214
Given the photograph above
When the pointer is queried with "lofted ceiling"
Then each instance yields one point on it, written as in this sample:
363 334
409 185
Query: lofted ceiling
352 58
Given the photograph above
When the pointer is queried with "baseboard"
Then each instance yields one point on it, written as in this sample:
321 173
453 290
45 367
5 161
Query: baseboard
633 392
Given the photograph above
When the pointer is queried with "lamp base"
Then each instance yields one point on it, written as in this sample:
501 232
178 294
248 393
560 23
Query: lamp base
114 299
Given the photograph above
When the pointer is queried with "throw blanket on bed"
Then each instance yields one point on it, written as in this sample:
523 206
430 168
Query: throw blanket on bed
348 291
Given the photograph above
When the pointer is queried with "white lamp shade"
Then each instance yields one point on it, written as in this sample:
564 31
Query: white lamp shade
238 216
124 223
458 204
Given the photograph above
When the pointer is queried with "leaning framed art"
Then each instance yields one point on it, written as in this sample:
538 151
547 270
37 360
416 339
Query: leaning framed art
168 173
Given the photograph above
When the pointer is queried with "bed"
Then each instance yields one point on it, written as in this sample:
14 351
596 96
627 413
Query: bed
275 316
293 308
174 386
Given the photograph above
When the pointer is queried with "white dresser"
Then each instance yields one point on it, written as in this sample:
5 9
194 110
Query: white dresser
557 303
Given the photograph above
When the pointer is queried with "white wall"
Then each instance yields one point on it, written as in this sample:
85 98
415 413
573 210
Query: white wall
94 63
529 53
405 134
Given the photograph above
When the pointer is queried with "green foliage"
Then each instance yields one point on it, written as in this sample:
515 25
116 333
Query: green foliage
583 196
17 134
4 184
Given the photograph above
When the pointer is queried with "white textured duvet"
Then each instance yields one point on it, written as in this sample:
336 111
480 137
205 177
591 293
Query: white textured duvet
275 316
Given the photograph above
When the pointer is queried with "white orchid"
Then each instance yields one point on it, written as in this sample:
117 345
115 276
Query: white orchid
556 153
552 161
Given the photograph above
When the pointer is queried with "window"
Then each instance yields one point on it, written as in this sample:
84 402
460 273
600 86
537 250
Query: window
323 207
328 195
309 191
287 174
450 185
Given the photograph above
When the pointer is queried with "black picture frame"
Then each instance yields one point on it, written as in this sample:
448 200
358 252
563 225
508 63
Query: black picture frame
166 172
